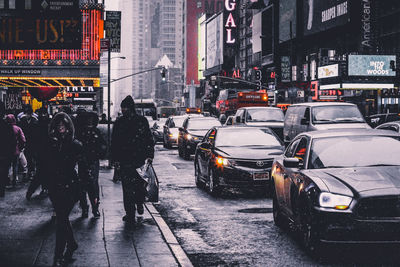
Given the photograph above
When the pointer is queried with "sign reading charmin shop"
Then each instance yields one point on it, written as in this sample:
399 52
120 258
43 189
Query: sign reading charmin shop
371 65
46 24
328 71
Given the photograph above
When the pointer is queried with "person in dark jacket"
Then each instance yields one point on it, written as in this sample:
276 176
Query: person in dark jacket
20 138
29 124
64 186
41 147
94 148
131 146
7 145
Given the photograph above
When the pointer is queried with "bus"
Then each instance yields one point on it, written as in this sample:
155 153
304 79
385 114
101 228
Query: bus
230 100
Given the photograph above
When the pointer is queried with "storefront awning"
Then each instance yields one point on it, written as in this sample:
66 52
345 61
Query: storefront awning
48 81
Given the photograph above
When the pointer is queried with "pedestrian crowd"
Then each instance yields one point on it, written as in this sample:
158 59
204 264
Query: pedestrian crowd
61 154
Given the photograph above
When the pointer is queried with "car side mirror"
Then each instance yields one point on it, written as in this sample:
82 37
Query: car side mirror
304 121
207 145
291 162
181 129
238 119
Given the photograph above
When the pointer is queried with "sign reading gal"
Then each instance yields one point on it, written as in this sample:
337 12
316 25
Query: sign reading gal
328 71
371 65
230 7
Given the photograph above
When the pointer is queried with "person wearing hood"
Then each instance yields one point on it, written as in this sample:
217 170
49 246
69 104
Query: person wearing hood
7 151
42 151
64 186
94 148
131 146
20 139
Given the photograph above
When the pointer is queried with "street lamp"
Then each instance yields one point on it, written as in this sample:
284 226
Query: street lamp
109 103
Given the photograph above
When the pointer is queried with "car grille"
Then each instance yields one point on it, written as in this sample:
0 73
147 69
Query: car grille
387 207
254 164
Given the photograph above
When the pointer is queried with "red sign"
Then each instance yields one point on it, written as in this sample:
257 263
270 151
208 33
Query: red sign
104 45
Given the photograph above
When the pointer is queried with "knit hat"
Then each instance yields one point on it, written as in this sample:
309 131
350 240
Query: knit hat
128 103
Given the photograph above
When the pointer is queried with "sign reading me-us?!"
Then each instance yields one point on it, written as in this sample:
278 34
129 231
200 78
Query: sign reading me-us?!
371 65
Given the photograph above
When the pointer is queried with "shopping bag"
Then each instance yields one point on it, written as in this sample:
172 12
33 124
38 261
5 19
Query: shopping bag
152 186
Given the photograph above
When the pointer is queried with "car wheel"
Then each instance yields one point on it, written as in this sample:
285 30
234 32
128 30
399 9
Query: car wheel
279 220
197 175
163 143
213 188
186 153
180 151
309 236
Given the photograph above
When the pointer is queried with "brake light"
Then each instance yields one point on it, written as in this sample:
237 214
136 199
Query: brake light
240 94
265 97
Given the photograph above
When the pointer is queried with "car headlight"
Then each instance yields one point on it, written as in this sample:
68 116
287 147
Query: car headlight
173 135
334 201
188 136
223 161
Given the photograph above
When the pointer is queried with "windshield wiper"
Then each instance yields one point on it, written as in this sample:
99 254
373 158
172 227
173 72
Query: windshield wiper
348 120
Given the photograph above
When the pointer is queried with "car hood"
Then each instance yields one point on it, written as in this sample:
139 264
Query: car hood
249 152
332 126
361 180
266 124
174 130
197 132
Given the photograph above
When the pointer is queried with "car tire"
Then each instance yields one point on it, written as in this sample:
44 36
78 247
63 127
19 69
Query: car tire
213 188
180 151
197 178
279 220
163 143
185 153
309 236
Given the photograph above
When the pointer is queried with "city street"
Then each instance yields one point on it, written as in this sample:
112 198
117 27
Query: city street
237 229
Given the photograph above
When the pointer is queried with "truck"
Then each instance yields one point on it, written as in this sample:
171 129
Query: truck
230 100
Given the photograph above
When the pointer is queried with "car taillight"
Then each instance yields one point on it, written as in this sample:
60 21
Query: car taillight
265 97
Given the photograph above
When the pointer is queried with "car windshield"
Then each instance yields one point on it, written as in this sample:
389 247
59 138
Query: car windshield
203 124
177 122
265 115
246 137
354 151
336 114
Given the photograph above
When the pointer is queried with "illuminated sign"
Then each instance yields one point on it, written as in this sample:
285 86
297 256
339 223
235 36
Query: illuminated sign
371 65
48 24
328 71
229 21
80 89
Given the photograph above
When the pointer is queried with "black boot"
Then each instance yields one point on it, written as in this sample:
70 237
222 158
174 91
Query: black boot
85 211
95 211
69 252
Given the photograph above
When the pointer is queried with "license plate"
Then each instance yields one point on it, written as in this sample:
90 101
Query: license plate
261 176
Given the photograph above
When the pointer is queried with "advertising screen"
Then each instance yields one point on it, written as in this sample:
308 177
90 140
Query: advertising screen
215 42
201 46
257 21
323 15
287 19
371 65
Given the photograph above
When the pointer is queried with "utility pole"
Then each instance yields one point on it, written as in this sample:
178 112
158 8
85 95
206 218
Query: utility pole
109 103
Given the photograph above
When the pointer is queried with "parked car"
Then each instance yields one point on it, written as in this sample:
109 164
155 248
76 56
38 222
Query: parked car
339 186
157 131
171 131
261 116
192 132
236 156
315 116
378 119
392 126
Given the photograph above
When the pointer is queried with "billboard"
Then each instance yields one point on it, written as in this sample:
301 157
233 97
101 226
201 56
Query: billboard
201 46
328 71
323 15
285 69
371 65
215 42
50 24
287 20
257 22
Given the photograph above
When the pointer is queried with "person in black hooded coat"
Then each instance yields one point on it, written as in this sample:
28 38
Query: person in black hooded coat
131 146
64 186
94 148
7 149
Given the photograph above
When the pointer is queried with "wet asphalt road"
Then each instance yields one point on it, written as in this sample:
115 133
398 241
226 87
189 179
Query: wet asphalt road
237 228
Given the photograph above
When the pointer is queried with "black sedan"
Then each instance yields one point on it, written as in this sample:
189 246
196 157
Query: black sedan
192 132
238 157
339 186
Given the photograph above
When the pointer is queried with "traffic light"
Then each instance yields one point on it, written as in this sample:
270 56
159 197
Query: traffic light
163 74
258 75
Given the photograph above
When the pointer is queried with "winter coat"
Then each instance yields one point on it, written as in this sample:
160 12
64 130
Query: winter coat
94 145
64 154
7 140
18 134
30 129
131 141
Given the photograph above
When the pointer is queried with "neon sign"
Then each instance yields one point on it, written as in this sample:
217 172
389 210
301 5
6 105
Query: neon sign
230 24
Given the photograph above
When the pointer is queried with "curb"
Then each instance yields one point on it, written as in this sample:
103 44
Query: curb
169 237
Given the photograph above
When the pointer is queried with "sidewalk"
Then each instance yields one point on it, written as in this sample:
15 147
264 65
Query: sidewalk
27 235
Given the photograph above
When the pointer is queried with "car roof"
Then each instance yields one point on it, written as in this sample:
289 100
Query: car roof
259 108
317 104
349 132
202 118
